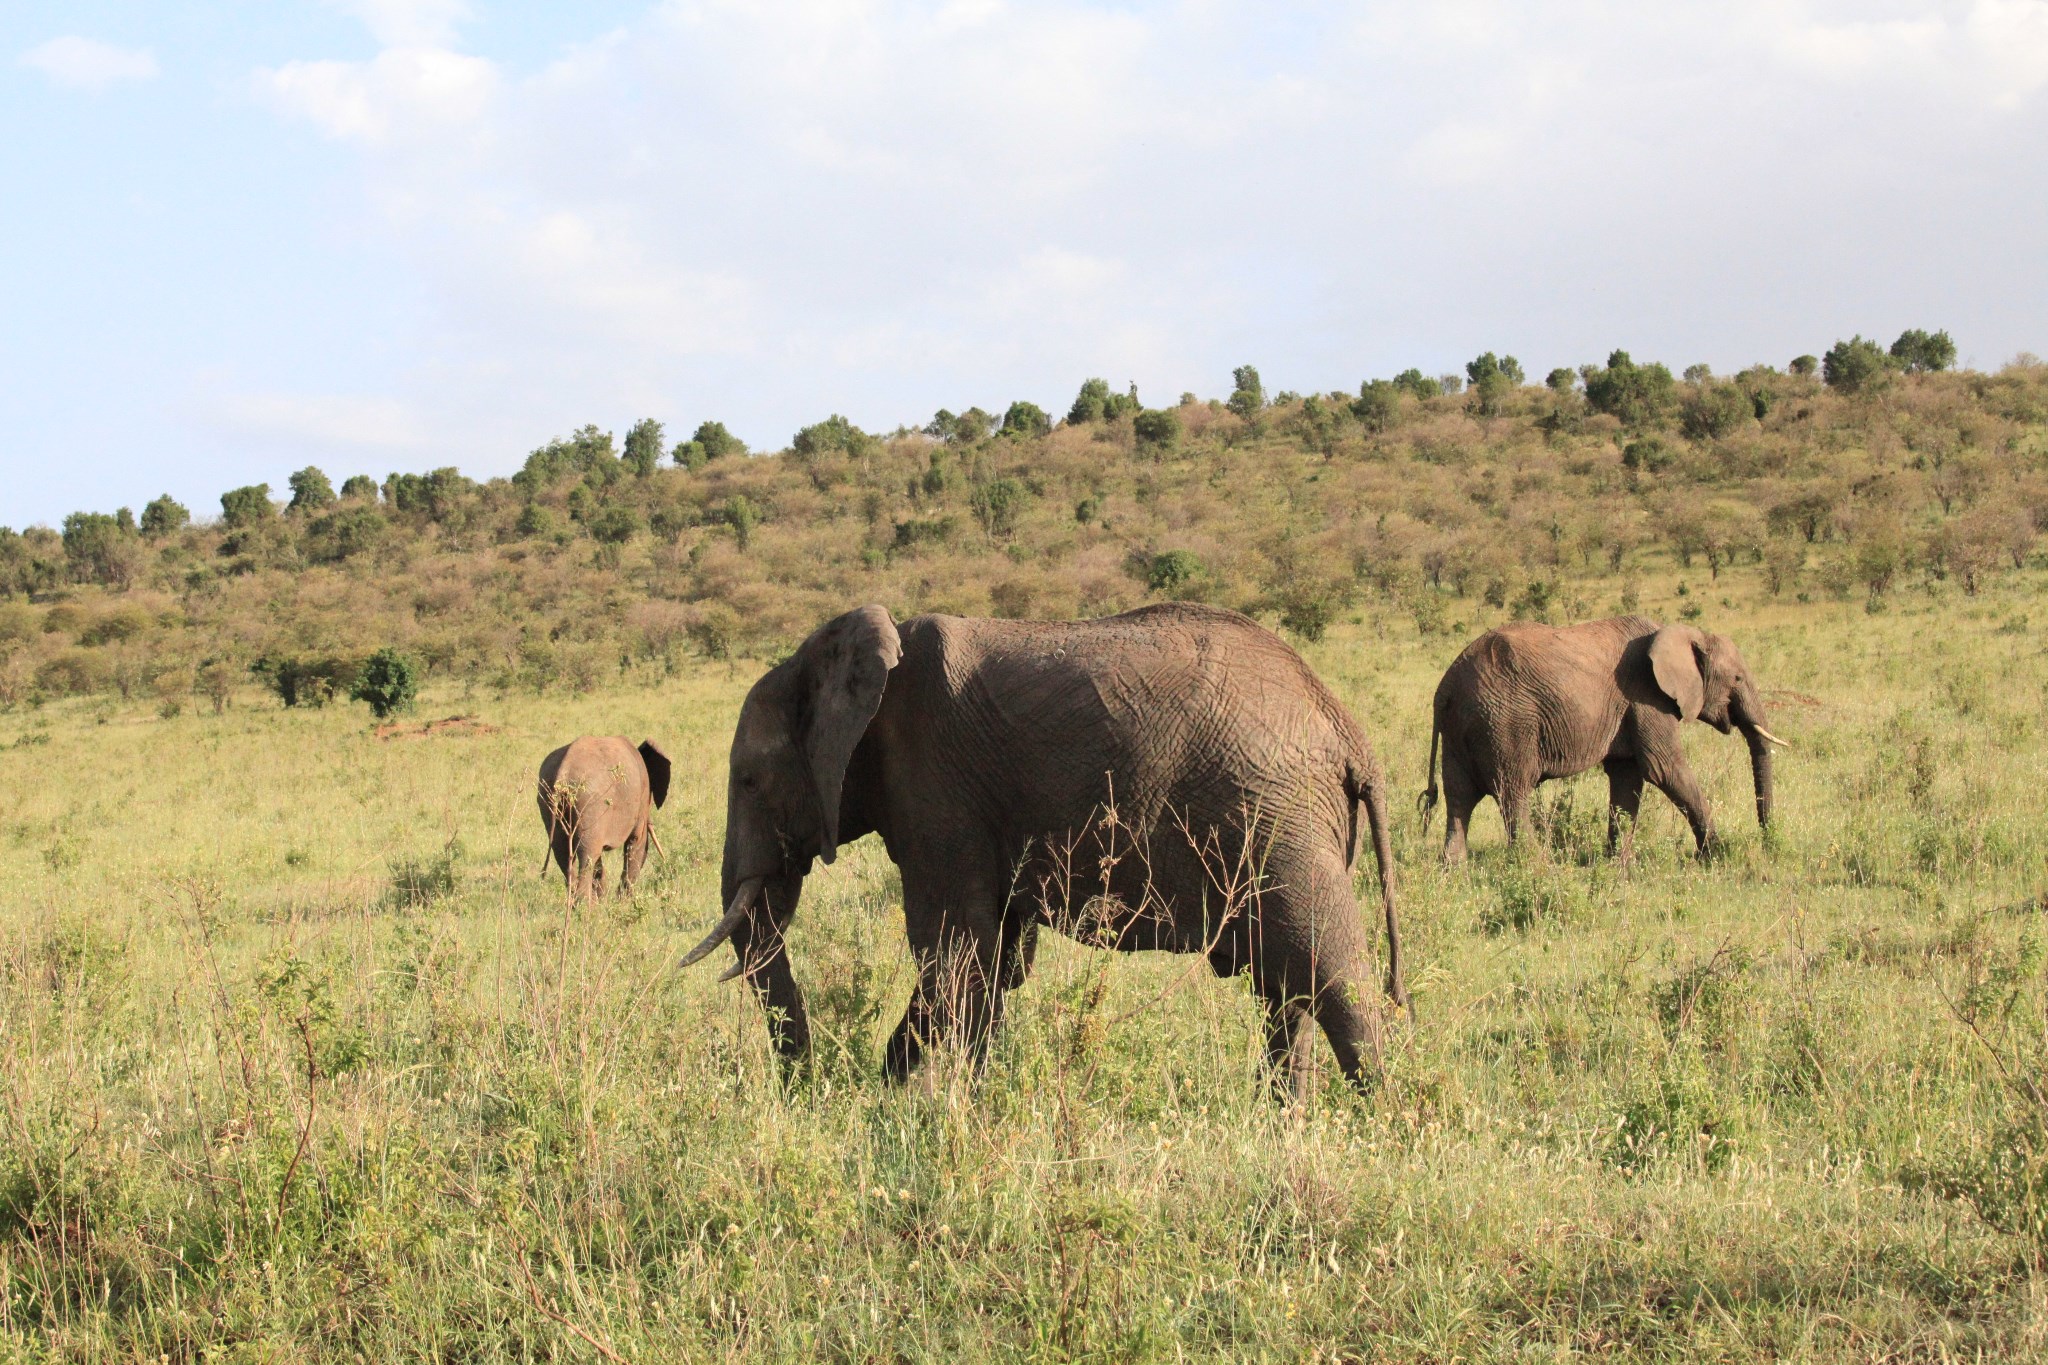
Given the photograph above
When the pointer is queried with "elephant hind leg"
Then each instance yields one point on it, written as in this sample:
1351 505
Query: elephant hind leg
1461 797
632 857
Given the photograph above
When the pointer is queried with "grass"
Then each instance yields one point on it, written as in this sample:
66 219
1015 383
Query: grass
301 1060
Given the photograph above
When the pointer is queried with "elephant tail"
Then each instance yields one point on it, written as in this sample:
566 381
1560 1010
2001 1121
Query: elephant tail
1426 803
1369 789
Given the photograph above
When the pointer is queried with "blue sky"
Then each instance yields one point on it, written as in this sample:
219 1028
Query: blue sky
377 235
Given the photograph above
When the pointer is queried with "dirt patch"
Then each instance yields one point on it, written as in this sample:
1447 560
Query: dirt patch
447 725
1785 696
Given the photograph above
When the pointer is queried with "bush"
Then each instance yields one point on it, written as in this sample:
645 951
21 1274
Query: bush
246 506
303 681
1174 571
996 504
358 486
1647 454
741 514
614 524
1561 380
1855 365
387 683
347 531
1633 393
1712 411
1804 365
1416 382
1157 428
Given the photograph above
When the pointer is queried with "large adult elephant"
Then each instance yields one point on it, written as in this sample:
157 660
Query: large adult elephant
1527 703
1172 778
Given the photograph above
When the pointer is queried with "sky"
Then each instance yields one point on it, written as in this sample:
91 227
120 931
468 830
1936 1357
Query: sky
242 236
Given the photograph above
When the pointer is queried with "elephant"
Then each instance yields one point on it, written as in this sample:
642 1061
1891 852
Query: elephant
1526 703
1172 778
598 794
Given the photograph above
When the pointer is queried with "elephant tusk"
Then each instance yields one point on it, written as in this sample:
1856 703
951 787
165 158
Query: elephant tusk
735 916
733 973
1773 739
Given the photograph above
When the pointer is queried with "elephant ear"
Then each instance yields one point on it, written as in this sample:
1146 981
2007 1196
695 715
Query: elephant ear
657 770
844 667
1675 663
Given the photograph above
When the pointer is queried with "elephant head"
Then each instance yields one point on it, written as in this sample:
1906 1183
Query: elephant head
796 735
1704 677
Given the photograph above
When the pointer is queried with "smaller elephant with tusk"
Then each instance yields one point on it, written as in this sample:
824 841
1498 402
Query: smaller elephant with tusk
1527 703
597 794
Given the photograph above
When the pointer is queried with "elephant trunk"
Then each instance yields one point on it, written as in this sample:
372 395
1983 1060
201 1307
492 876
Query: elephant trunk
1760 771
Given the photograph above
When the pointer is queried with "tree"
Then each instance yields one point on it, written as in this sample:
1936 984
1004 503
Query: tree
1803 365
1698 374
834 433
1561 380
1491 382
644 447
1854 365
743 517
1921 352
1418 383
1096 402
310 490
996 504
246 506
1378 405
164 516
346 531
388 682
102 549
1247 394
1025 418
1634 393
358 486
1158 428
716 442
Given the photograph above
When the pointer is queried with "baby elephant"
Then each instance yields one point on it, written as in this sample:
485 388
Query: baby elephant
1526 703
599 793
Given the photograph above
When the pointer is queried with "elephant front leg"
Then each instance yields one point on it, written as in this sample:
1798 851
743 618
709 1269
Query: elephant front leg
1287 1044
1677 782
959 987
766 966
1624 800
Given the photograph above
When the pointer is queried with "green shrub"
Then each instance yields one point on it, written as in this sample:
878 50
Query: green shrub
1634 393
388 683
246 506
1712 411
164 516
996 505
311 492
1378 405
1157 428
300 681
1174 571
614 524
644 447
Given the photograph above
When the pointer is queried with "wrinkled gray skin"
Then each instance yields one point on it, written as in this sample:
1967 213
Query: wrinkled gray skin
987 754
598 794
1527 703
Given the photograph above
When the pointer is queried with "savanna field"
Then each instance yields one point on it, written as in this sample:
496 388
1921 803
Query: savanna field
300 1059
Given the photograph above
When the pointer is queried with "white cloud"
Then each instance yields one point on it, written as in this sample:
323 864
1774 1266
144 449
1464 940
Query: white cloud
408 23
766 212
84 64
413 89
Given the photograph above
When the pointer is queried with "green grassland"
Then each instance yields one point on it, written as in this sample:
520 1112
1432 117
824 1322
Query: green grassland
300 1060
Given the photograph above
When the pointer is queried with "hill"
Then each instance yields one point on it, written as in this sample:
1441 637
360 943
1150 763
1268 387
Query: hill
1451 502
